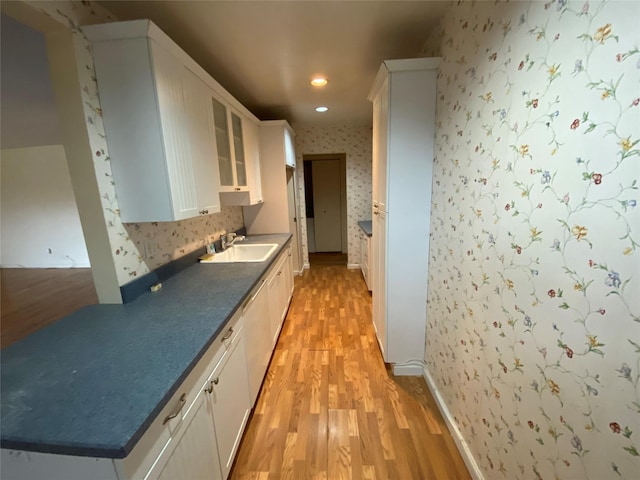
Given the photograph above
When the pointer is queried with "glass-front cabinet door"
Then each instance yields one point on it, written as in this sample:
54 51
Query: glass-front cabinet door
238 148
230 145
225 163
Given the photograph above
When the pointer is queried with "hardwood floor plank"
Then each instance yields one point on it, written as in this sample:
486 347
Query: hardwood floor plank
32 298
330 409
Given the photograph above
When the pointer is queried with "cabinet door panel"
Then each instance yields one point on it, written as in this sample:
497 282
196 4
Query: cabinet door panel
195 454
171 104
258 337
379 279
230 403
222 143
203 142
274 306
238 150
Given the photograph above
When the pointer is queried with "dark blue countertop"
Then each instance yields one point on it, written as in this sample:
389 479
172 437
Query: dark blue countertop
92 383
366 227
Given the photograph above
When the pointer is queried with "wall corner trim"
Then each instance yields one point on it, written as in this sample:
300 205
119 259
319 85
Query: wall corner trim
463 447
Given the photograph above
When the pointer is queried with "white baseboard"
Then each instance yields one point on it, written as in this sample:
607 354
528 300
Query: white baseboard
307 266
463 447
407 370
353 266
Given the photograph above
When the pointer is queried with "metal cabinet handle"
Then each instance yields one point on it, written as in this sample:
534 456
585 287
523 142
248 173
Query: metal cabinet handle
228 335
216 380
174 414
209 389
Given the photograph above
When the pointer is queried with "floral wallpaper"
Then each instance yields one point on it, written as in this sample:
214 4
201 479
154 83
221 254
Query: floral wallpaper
355 142
533 330
173 239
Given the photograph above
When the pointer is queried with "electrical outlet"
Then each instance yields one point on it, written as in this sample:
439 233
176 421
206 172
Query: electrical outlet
150 247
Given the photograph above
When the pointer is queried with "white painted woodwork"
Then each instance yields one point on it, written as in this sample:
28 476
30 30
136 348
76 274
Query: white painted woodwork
294 222
379 276
162 140
141 93
365 256
403 96
203 143
230 404
289 147
34 466
280 289
288 273
278 214
327 209
245 153
196 452
64 67
272 216
258 337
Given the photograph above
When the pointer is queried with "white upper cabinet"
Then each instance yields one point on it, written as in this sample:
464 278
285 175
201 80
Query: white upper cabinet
203 143
240 176
164 134
275 141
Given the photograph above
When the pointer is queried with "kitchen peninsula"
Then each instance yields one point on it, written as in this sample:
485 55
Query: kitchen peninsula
100 393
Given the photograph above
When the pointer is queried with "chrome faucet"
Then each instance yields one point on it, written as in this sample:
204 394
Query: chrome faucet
226 240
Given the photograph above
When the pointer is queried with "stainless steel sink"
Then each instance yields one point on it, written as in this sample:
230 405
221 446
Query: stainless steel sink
248 252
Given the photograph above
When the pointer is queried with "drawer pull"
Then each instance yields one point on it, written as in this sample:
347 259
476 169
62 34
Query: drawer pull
174 414
216 380
209 389
228 335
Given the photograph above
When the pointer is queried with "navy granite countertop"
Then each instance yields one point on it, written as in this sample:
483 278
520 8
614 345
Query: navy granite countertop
366 227
91 383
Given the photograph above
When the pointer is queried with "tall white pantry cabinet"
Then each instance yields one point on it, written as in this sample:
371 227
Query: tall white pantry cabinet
404 102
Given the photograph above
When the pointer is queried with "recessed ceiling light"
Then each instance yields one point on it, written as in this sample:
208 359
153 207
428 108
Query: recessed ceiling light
322 109
319 82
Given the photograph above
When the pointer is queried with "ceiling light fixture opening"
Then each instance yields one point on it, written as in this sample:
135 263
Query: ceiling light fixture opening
319 81
322 109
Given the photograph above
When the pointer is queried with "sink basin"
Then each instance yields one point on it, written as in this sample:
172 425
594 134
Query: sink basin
249 252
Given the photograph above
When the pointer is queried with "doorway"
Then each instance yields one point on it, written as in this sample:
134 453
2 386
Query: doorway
326 207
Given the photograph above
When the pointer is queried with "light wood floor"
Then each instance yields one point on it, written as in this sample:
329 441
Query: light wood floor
329 409
32 298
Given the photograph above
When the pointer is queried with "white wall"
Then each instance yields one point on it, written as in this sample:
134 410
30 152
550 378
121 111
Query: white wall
40 226
27 104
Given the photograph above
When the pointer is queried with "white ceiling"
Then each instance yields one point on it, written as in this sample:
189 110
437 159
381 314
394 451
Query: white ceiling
266 52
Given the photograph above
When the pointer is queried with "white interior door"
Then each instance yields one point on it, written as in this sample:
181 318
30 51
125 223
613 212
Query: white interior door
327 206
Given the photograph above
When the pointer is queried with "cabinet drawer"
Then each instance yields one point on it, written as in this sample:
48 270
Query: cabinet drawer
163 428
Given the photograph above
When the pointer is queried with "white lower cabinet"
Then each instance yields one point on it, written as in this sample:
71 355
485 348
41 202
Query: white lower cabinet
195 452
365 255
228 401
280 285
259 346
204 443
